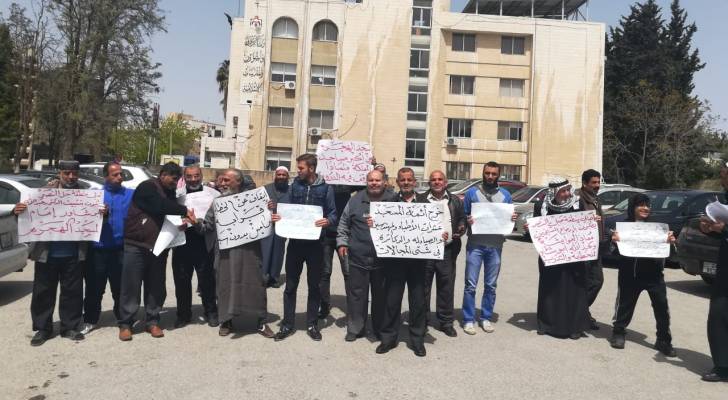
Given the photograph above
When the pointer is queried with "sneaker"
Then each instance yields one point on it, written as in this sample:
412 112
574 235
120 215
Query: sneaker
73 335
469 328
87 328
487 327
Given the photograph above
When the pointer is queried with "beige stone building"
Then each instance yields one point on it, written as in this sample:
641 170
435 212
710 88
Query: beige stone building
517 82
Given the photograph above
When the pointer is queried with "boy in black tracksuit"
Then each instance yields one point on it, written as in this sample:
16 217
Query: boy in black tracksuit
636 275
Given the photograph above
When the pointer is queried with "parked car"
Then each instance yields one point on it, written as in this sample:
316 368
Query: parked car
697 253
461 188
13 255
84 181
611 194
133 175
523 201
673 207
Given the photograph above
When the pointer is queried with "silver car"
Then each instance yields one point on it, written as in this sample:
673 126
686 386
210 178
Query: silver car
523 201
13 255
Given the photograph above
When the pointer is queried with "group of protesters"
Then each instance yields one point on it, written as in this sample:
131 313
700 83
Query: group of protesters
234 282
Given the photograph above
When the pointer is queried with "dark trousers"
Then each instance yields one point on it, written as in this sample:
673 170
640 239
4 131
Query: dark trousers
329 248
718 330
186 259
273 248
595 276
443 272
310 252
67 271
628 293
141 266
357 300
103 265
398 273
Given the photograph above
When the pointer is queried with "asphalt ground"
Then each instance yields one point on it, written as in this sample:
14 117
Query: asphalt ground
512 363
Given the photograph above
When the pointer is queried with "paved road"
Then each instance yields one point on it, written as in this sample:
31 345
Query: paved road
512 363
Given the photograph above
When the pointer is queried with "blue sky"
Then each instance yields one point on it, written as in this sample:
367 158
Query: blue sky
198 39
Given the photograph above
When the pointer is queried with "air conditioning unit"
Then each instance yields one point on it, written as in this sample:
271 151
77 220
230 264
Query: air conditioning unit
314 132
451 142
289 85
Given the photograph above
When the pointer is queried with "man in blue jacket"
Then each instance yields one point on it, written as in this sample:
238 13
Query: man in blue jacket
105 260
308 189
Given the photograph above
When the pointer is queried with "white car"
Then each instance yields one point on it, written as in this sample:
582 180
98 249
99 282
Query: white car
133 174
13 255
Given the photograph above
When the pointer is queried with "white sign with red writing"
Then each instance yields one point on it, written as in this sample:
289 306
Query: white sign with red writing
565 238
344 163
68 215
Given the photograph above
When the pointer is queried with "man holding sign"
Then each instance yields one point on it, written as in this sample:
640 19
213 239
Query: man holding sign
58 262
311 190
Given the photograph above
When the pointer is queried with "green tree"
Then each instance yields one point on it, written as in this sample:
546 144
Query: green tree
222 84
8 98
132 144
176 137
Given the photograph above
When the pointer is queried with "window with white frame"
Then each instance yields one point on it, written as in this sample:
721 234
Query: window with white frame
322 119
277 157
463 42
325 31
421 17
512 172
323 75
282 72
414 154
511 87
457 170
464 85
419 59
285 28
417 106
513 45
280 117
459 128
509 130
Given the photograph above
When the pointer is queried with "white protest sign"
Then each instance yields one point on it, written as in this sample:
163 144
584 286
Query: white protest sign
565 238
717 212
344 163
242 218
298 221
170 235
199 201
67 215
492 218
408 230
643 239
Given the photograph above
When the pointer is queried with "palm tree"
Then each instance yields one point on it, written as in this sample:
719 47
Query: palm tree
222 84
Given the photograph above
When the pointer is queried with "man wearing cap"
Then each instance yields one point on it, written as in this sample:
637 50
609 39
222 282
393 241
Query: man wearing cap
57 263
273 246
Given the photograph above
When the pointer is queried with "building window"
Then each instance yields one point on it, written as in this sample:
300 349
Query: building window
462 84
419 59
280 117
457 170
463 42
325 31
459 128
510 130
417 106
414 154
322 119
323 75
513 45
421 20
275 158
285 28
282 72
217 133
511 87
512 172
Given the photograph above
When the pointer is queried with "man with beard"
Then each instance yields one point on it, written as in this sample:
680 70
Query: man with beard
274 246
588 200
240 284
354 243
483 250
153 200
718 314
194 256
57 263
444 270
105 261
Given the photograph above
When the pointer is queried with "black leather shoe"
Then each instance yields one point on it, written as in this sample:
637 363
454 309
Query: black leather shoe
212 320
324 311
39 338
314 333
593 324
181 323
419 349
226 328
617 340
73 335
283 333
665 348
713 376
384 348
449 331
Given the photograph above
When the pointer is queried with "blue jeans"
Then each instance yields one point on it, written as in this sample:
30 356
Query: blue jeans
490 257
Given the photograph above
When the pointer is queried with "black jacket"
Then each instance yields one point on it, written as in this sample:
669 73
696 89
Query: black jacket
457 212
150 204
